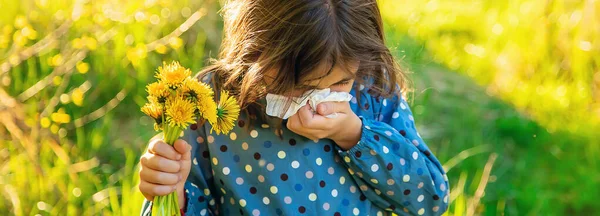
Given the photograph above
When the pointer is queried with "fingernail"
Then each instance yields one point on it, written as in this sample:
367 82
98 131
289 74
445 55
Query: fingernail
175 187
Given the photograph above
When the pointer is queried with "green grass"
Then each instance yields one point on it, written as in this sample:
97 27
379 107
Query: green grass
527 89
455 115
72 147
82 132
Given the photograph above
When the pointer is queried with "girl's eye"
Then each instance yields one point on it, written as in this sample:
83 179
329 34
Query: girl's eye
342 83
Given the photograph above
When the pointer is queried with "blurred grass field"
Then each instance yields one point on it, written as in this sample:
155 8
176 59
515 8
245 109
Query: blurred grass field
507 94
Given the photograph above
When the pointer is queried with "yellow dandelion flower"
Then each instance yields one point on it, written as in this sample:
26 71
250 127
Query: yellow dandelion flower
158 90
153 110
157 126
172 74
196 90
152 99
207 108
180 112
227 112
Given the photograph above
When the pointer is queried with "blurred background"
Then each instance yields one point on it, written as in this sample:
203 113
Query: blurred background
506 93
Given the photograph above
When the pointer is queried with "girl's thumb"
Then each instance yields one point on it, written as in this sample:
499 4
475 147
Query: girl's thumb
183 148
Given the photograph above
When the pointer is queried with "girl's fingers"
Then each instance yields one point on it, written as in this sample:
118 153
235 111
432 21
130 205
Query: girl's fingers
181 146
295 126
159 147
328 108
157 162
151 190
161 178
313 121
305 115
293 122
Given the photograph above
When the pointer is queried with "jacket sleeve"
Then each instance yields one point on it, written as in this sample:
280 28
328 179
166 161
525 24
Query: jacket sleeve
199 185
393 166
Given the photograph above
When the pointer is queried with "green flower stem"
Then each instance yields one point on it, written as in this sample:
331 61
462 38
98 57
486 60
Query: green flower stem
168 205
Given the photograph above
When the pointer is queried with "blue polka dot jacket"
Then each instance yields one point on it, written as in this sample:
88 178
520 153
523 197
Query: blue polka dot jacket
254 171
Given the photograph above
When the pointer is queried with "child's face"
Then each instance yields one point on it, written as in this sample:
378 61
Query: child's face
338 80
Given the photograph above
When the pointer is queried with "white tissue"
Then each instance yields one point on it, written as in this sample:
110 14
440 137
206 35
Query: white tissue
276 103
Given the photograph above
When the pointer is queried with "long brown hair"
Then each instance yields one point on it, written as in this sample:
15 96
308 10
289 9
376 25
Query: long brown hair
294 37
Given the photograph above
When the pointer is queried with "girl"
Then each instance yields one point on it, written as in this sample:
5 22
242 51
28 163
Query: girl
367 160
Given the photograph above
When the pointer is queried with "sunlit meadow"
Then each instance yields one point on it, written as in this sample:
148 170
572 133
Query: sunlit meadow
506 93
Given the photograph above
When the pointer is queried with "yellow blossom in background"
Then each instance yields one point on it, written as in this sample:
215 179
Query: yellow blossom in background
54 128
162 49
82 67
175 42
56 60
45 122
29 32
19 39
7 29
3 41
20 21
100 19
77 97
180 113
60 118
137 53
14 59
77 43
90 42
57 80
227 112
172 74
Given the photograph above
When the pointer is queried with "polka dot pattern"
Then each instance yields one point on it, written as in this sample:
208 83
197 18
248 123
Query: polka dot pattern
374 167
295 164
274 189
312 197
226 171
255 172
326 206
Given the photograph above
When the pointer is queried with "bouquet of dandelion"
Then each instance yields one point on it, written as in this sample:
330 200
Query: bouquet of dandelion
177 100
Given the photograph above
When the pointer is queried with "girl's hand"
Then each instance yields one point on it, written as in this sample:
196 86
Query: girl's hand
164 169
345 129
